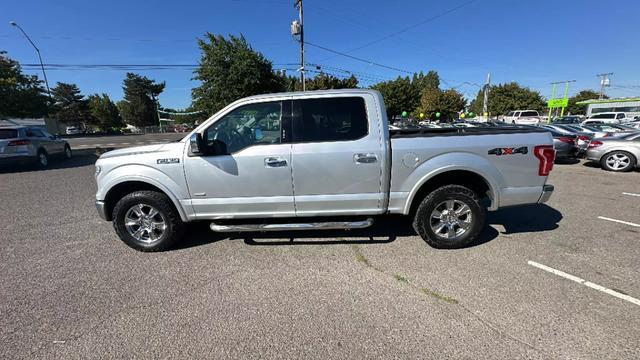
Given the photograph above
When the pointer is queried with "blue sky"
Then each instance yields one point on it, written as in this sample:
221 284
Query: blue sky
531 42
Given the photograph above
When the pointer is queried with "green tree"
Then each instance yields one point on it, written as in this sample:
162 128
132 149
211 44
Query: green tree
507 97
448 103
105 112
139 107
575 109
399 95
429 81
324 81
20 95
70 105
230 69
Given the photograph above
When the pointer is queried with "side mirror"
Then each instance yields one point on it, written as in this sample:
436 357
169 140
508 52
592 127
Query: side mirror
195 144
219 148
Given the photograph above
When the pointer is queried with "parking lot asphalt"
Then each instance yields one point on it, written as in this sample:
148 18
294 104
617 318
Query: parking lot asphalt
71 289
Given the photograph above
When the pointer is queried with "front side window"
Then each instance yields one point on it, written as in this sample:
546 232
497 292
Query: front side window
620 116
253 124
603 116
330 119
529 113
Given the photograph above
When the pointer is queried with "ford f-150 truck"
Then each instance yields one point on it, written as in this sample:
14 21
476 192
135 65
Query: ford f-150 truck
320 160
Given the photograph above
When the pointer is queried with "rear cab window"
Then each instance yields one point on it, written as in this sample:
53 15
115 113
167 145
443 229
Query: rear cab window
330 119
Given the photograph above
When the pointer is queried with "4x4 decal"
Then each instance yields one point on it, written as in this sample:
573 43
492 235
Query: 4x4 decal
508 151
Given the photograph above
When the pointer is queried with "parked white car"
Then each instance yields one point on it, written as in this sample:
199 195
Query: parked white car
73 130
608 118
523 117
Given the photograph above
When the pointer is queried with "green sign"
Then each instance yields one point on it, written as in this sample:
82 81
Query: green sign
557 103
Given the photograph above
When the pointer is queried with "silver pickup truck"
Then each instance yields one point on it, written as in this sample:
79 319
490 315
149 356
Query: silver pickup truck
320 160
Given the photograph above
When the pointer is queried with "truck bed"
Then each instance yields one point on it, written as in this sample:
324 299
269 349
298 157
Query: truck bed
461 131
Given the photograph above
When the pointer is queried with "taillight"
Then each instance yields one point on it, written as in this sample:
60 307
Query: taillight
583 138
19 142
607 135
547 155
565 139
595 144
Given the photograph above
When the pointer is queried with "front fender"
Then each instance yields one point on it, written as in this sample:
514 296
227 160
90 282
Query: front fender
450 162
143 173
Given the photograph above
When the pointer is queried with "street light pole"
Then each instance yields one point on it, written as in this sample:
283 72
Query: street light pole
46 82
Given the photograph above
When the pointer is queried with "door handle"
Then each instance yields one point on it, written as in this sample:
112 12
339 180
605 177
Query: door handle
273 162
367 158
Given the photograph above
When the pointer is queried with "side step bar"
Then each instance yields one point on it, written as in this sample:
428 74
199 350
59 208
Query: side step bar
294 226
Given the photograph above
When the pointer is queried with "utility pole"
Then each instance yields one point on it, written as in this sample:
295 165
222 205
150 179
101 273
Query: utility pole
297 28
485 104
604 81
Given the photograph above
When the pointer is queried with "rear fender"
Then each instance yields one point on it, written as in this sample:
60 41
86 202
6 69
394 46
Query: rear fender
456 161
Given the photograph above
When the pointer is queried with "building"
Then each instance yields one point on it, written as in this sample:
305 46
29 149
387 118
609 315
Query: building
630 106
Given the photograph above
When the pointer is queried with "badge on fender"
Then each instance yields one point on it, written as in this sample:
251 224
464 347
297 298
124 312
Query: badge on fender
168 161
508 151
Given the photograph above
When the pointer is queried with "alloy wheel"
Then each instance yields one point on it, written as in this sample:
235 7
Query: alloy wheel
618 161
145 223
451 219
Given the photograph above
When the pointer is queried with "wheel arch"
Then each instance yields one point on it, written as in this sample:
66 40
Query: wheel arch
119 190
464 177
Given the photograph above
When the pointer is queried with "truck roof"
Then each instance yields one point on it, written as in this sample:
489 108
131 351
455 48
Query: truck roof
313 93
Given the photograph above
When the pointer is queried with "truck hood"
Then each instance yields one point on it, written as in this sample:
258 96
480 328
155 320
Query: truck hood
146 149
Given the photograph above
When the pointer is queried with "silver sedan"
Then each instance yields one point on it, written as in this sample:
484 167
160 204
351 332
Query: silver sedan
616 154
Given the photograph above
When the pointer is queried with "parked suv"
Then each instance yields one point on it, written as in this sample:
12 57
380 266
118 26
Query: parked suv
608 117
19 144
523 117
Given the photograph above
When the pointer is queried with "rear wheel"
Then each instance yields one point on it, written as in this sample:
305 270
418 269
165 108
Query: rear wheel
67 152
450 217
618 161
43 158
147 221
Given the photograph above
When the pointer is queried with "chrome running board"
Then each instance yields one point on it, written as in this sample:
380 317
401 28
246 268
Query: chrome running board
332 225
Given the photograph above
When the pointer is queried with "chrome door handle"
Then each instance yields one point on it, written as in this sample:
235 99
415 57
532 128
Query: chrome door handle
367 158
273 162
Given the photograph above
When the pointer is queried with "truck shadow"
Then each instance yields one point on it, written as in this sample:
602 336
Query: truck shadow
524 219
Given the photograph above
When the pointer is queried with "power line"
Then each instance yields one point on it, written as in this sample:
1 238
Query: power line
359 59
410 27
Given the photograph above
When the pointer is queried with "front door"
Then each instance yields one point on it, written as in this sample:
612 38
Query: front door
337 156
254 178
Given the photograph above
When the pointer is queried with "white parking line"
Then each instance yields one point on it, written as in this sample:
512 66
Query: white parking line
618 221
631 194
585 283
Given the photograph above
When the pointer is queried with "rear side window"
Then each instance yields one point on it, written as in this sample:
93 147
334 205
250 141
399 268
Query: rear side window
330 119
34 133
603 116
8 133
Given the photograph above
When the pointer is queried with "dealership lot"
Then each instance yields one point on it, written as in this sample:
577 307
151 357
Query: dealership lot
71 289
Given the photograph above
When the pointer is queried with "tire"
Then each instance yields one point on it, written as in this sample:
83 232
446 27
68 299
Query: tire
461 225
618 161
133 218
67 152
43 158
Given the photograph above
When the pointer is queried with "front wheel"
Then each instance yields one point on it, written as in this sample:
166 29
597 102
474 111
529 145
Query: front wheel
619 161
43 158
450 217
147 221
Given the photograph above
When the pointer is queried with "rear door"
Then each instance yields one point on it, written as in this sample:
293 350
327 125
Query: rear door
337 156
